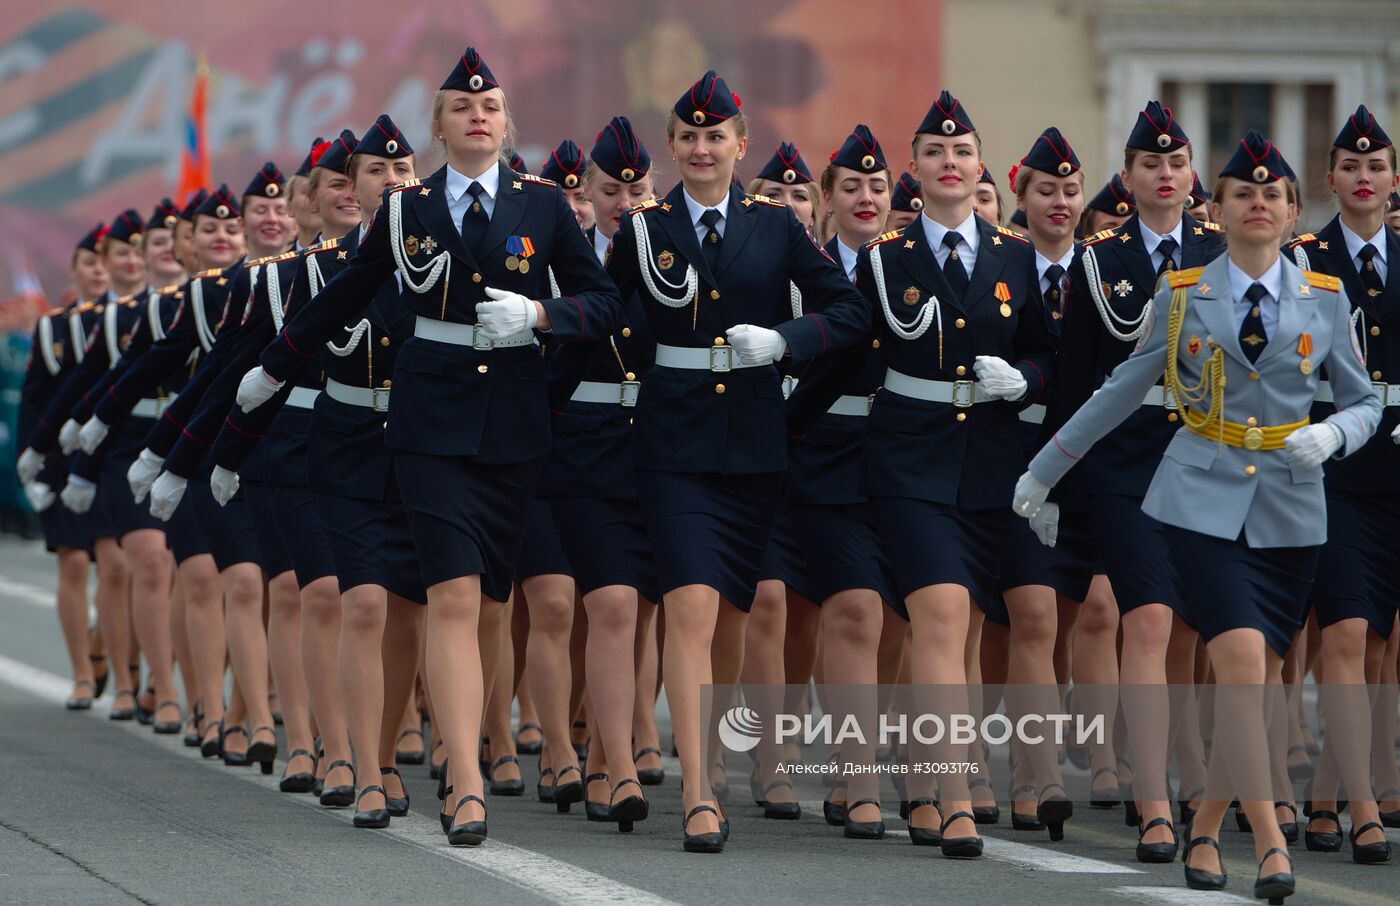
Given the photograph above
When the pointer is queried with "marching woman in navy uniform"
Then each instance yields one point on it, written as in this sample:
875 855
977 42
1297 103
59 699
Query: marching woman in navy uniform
1354 596
568 160
66 534
955 304
1111 281
589 481
906 201
469 425
713 269
847 570
1239 487
1109 209
786 178
986 200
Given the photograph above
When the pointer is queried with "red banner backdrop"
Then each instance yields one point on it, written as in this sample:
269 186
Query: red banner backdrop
94 96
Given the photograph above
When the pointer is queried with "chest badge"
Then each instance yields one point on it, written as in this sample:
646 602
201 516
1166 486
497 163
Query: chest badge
429 245
410 245
520 249
1193 346
911 296
666 260
1305 348
1122 288
1002 294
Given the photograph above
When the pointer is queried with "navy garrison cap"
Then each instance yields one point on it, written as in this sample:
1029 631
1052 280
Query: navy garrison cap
220 204
1114 198
1052 154
1362 133
947 116
1199 195
786 166
1256 160
1157 130
565 165
164 216
619 153
383 139
860 152
337 151
308 162
907 194
127 227
92 237
517 163
267 183
709 102
197 198
470 74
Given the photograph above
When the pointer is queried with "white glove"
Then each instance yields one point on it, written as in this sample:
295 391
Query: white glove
756 345
998 378
78 494
1030 495
1310 445
39 495
143 473
68 436
1395 435
256 388
1046 524
508 315
165 495
31 462
224 484
92 435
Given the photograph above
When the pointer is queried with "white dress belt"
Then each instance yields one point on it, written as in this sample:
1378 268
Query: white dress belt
962 394
467 335
849 404
303 397
152 408
1389 393
376 398
623 394
719 359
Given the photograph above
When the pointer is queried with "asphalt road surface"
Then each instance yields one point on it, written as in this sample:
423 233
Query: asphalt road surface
98 812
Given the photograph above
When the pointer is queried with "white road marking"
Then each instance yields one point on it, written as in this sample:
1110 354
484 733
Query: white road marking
1177 896
548 878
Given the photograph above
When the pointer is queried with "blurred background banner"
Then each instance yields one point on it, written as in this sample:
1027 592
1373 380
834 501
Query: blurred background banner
96 98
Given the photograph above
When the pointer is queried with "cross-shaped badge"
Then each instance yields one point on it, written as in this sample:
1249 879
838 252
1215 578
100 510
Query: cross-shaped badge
429 245
1123 288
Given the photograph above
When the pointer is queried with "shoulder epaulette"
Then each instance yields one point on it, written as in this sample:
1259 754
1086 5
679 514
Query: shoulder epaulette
128 300
259 262
285 256
1323 281
883 238
1301 239
320 247
211 272
83 308
405 185
1212 226
764 199
644 206
167 290
1013 234
530 177
1186 277
1101 235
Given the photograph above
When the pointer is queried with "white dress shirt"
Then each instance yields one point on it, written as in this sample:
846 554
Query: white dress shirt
696 209
1042 264
600 245
848 259
1355 244
457 198
1240 282
1151 240
967 248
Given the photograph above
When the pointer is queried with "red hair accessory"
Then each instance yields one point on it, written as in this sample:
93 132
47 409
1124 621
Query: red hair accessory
317 151
1011 174
737 102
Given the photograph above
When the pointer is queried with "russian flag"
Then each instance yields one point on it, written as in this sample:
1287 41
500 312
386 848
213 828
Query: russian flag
194 162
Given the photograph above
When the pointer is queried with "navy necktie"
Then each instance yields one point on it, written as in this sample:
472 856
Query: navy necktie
1253 337
1054 275
1167 248
953 268
711 244
1370 277
475 221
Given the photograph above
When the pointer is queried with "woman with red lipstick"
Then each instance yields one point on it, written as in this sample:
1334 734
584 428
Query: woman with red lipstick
712 268
1112 279
1354 595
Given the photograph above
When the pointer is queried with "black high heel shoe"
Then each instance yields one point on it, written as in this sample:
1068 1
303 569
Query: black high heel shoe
404 756
1019 821
1242 818
302 782
630 810
1055 811
78 701
595 811
238 760
925 836
1369 853
1288 828
99 680
1199 879
144 715
435 768
193 723
864 830
580 748
374 818
781 811
1323 841
649 776
264 754
211 745
532 747
339 796
545 793
984 814
1157 853
398 808
167 727
712 842
470 833
567 794
127 713
1097 798
1184 810
834 813
515 787
442 781
959 847
1388 819
445 819
1276 886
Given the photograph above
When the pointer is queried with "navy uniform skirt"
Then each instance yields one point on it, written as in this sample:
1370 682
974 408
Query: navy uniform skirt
1229 585
65 528
227 529
467 518
1358 573
1136 558
708 529
299 521
542 552
843 552
273 554
371 544
117 510
607 539
936 543
183 534
1068 567
783 558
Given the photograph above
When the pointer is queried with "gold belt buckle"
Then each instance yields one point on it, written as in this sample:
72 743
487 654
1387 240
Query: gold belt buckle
1253 439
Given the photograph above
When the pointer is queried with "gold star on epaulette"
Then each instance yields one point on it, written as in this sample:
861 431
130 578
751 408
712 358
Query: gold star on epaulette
221 281
340 255
666 208
1199 231
1124 236
747 202
996 240
424 191
908 243
517 185
1322 246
